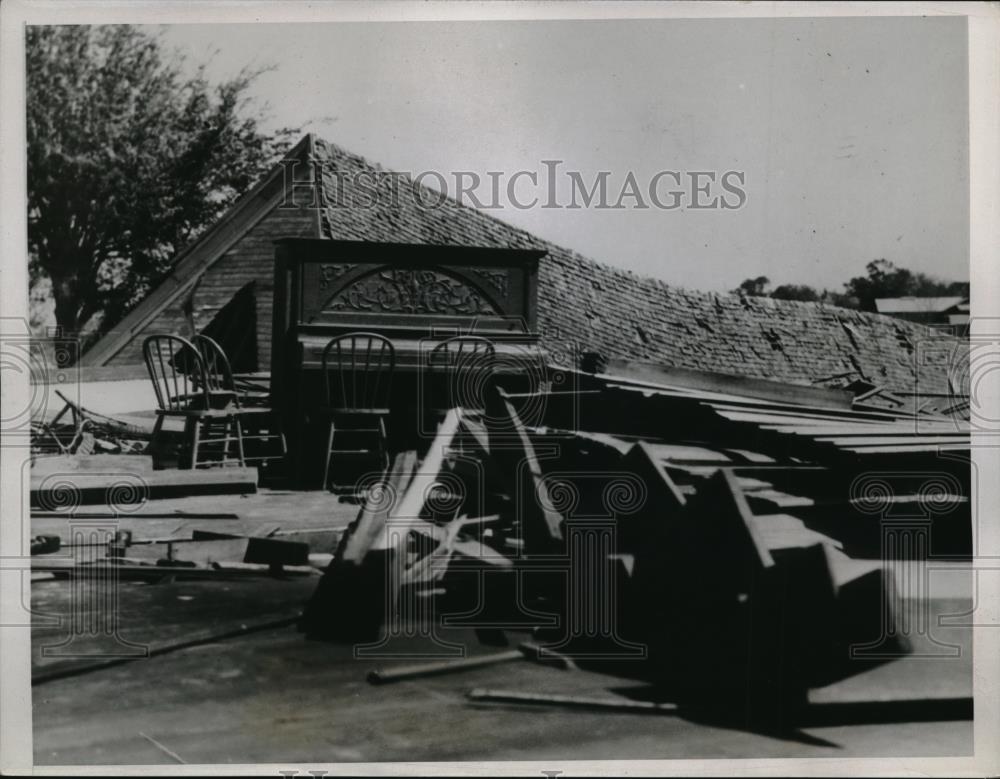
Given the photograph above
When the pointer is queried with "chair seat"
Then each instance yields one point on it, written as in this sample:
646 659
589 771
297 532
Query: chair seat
213 394
248 410
198 413
342 410
254 397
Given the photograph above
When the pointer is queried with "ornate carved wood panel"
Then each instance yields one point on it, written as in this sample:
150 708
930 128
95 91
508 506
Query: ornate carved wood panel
410 291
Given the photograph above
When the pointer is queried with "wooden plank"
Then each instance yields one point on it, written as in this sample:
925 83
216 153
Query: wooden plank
778 416
359 589
509 441
255 549
61 464
477 431
784 531
412 503
377 507
131 515
118 487
662 494
906 449
67 567
894 440
688 454
572 701
730 384
746 406
385 676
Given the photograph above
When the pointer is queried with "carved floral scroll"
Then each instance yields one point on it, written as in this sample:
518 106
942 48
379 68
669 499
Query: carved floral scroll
409 291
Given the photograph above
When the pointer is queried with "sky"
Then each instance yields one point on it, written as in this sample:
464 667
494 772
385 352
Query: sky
851 134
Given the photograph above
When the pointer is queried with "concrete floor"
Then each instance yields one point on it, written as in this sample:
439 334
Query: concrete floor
275 697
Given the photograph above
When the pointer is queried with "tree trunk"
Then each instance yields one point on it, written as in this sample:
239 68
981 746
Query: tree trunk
67 307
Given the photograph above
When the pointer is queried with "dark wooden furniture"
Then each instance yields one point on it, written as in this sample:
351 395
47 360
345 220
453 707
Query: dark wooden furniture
459 371
416 297
263 439
184 389
357 380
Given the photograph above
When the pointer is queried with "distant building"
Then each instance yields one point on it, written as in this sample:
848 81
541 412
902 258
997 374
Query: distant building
950 314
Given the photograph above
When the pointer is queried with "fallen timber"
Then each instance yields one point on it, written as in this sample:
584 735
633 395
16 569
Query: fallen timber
732 545
63 482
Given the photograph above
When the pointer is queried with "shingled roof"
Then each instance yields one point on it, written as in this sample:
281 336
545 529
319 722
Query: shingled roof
583 305
617 313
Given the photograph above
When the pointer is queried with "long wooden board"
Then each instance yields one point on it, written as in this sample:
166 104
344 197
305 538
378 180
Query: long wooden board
511 444
117 485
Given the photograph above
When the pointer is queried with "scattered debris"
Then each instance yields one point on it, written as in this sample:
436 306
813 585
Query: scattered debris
168 752
527 650
723 535
86 433
384 676
604 515
571 701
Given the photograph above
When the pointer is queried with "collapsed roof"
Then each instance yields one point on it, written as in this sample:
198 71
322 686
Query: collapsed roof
585 305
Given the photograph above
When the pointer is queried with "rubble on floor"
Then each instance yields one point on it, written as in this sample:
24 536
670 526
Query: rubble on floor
736 548
85 432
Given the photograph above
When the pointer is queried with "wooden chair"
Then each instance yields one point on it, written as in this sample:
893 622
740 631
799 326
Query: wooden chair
459 370
183 389
357 378
263 439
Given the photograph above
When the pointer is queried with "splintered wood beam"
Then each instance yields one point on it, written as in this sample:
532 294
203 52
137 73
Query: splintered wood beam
411 505
510 441
377 507
476 430
352 597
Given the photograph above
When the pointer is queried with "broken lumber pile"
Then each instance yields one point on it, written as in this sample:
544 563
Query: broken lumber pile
715 545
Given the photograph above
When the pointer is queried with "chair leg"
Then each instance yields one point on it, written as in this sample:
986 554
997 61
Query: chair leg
280 432
329 454
195 443
382 444
238 428
225 457
154 439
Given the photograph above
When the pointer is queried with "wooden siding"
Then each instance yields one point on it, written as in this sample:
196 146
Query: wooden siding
250 259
